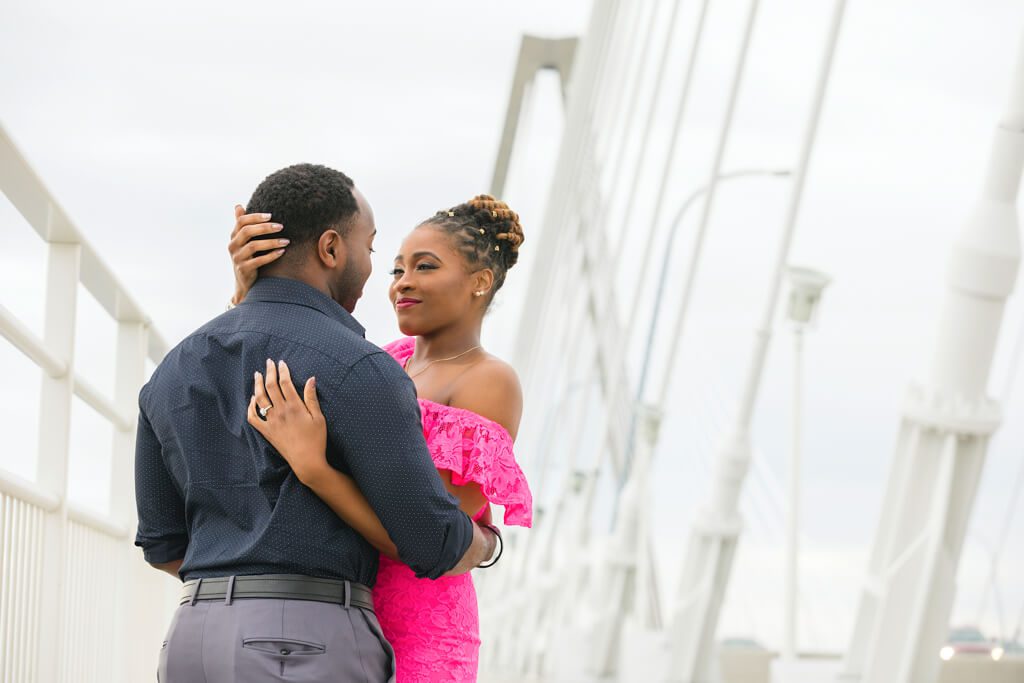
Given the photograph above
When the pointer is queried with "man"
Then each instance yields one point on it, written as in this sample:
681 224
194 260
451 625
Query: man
276 584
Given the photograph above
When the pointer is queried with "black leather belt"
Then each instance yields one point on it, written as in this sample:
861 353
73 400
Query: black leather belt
277 586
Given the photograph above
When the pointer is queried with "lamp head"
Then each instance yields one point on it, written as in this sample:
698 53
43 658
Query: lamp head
805 287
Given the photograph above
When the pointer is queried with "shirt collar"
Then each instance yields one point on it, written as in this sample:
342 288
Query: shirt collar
289 291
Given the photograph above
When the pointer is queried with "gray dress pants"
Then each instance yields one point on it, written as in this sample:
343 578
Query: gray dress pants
255 640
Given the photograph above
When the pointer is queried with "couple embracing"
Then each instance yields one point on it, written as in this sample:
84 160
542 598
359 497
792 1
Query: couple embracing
322 499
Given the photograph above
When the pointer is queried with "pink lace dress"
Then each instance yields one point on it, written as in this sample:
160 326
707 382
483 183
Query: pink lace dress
433 625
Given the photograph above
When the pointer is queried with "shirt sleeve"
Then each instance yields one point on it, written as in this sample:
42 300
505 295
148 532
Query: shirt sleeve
373 421
162 533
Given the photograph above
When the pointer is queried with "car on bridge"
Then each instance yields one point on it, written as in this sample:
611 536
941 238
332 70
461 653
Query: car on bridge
969 641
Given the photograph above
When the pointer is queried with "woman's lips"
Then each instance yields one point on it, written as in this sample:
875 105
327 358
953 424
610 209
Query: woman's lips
406 303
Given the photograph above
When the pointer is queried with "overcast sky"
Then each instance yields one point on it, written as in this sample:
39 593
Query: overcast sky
150 122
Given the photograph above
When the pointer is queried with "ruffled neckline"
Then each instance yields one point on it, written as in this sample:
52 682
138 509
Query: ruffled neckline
472 415
483 455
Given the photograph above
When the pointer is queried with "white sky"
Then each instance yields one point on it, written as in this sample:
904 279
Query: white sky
149 123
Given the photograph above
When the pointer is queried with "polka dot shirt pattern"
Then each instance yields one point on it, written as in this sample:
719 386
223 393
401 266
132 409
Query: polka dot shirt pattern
211 490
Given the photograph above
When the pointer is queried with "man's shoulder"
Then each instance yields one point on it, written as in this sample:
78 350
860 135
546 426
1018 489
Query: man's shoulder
378 371
292 329
295 324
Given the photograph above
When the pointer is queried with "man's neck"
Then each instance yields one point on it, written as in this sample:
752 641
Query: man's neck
302 275
284 289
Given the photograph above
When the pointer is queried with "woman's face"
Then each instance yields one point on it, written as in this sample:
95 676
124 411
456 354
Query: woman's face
433 286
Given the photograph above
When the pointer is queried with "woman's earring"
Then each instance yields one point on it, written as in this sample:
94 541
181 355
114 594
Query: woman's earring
478 293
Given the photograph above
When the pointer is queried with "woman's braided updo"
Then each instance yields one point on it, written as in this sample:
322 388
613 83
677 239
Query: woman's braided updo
487 232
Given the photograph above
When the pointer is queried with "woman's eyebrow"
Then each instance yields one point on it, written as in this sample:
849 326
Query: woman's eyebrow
418 254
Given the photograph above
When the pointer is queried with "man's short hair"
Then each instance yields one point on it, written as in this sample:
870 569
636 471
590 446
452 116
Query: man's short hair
307 199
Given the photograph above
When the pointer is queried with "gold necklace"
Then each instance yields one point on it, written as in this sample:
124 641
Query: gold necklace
439 360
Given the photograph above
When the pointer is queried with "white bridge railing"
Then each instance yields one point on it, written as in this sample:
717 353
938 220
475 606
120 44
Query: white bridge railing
77 604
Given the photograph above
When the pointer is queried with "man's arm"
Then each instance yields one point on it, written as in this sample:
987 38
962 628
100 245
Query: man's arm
171 568
374 424
480 550
162 534
348 502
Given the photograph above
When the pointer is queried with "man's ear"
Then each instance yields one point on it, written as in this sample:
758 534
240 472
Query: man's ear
331 249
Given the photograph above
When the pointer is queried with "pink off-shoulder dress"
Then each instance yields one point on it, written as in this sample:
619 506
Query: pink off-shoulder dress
433 625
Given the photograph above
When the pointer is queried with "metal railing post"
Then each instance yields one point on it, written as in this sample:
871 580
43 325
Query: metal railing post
134 614
54 436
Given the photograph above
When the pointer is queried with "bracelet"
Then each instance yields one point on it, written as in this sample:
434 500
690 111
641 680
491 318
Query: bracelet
501 546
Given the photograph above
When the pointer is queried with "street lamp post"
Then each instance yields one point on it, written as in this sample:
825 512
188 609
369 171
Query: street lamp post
636 597
714 536
805 292
659 295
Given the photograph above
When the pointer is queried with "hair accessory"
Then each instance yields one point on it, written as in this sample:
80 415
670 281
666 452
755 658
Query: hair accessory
451 213
494 214
482 231
497 248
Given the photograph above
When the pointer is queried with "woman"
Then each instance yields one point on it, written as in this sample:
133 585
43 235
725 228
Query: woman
445 277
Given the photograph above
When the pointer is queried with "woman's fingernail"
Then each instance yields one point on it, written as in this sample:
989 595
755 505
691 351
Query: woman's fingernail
284 242
265 216
277 226
280 251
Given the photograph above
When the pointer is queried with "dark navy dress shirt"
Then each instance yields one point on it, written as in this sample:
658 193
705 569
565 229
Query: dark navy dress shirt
210 489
